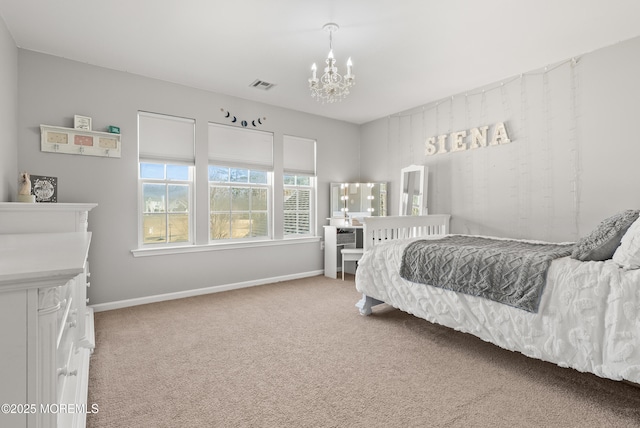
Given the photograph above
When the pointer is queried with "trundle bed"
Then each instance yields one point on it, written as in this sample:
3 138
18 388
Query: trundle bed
586 317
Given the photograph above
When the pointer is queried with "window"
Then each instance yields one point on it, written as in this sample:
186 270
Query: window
166 171
298 192
240 183
240 187
166 203
299 186
238 203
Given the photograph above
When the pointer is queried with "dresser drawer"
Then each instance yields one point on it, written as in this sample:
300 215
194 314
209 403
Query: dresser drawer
64 356
75 389
66 372
65 296
66 336
346 238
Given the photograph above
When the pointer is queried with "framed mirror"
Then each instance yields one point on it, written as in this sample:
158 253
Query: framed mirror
358 200
413 187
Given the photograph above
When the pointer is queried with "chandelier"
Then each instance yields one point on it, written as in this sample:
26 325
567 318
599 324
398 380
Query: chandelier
331 86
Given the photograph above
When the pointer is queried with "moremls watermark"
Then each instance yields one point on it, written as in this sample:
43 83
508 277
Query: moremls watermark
61 408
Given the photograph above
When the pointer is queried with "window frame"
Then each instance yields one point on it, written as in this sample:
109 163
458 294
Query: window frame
232 156
312 203
190 182
244 185
166 140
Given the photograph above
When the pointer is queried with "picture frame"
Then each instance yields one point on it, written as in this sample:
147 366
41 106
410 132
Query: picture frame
82 122
44 188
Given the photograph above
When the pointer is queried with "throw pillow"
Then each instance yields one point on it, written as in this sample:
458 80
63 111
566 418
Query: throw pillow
603 241
627 255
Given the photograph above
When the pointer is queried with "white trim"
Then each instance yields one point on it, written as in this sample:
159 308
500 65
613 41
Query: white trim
162 251
59 206
198 292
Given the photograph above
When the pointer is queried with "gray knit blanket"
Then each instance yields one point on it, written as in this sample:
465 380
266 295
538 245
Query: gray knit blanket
506 271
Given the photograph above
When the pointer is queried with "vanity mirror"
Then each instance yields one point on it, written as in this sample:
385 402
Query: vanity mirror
356 200
413 190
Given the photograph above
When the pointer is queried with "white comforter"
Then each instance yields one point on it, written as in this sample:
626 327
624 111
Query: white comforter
588 318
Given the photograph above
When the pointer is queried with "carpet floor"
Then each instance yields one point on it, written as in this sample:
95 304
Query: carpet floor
298 354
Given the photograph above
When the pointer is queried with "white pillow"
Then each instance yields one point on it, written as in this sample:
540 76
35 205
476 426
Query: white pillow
627 255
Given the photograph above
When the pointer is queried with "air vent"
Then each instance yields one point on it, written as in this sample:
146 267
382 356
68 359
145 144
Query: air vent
261 84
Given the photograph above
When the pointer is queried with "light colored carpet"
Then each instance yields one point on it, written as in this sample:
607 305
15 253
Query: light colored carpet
298 354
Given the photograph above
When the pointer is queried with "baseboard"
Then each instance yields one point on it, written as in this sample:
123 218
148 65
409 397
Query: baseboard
198 292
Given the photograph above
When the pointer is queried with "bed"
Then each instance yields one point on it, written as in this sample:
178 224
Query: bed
588 316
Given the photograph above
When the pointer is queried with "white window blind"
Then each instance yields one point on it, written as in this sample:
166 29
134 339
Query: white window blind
299 155
166 138
241 147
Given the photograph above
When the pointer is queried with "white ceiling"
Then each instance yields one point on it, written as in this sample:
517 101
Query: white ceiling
406 53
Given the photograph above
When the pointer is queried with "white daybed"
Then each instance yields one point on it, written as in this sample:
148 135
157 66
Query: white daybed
588 316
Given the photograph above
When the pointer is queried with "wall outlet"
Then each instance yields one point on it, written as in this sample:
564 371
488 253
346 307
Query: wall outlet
321 245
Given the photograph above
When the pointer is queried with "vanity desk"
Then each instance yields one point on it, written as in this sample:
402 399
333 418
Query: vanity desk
339 235
350 204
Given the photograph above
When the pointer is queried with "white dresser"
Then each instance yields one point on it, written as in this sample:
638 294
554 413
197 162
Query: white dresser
46 329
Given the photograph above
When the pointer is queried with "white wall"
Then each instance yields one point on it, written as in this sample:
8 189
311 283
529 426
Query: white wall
572 162
52 90
8 115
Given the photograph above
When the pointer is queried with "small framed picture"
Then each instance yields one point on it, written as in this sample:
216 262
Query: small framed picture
82 122
44 188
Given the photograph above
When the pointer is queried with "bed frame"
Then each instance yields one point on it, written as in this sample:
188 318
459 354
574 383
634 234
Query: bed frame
378 229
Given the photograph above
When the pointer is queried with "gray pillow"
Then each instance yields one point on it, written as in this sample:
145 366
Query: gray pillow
602 242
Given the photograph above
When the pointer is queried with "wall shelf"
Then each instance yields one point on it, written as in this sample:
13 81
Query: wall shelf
57 139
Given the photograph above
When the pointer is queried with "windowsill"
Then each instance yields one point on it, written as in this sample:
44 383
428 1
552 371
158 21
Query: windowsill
146 252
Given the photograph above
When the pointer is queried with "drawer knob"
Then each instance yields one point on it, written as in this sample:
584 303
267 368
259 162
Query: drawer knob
65 372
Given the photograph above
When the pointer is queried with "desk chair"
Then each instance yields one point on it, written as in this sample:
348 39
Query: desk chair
351 255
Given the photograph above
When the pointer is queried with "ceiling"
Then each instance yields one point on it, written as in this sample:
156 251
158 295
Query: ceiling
406 53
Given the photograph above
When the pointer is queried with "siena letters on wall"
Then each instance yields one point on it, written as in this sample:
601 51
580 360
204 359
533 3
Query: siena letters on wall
477 136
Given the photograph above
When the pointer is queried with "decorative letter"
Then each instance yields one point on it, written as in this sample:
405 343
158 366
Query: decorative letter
430 146
479 137
457 141
500 135
442 139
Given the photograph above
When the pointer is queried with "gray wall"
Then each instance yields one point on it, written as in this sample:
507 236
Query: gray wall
52 90
572 161
8 115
